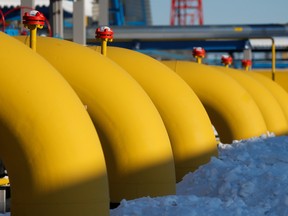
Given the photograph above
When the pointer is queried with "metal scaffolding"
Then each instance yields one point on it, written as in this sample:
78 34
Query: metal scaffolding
186 12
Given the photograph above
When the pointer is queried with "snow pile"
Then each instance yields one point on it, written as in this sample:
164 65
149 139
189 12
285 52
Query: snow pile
249 177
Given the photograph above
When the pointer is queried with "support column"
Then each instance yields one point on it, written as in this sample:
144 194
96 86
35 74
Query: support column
103 12
56 18
247 52
79 24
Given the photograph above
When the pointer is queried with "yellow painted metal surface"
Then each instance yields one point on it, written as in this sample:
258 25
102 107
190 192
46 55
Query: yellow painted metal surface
230 107
267 73
188 125
269 106
4 181
276 90
281 77
134 139
48 142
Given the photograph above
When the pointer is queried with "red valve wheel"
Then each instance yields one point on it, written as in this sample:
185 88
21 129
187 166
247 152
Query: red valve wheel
226 60
246 63
104 32
34 17
198 52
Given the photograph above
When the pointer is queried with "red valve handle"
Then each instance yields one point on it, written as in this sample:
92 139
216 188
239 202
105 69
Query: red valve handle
198 52
226 59
104 32
246 63
33 18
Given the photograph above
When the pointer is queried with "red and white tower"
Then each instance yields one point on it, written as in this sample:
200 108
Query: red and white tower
186 12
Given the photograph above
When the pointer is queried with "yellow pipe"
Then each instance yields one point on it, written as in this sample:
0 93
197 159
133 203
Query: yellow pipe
270 108
273 59
281 78
188 125
276 90
48 142
230 107
134 139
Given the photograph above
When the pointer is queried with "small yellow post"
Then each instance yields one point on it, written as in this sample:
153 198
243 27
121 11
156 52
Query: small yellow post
33 35
104 47
199 60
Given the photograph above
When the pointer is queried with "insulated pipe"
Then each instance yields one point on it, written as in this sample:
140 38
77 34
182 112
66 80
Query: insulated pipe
276 90
230 107
270 108
134 139
188 125
48 142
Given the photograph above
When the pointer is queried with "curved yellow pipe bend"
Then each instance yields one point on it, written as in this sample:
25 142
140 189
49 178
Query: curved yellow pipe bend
48 142
270 108
188 125
276 90
230 107
134 139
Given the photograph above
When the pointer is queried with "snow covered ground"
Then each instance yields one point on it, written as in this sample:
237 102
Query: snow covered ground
249 177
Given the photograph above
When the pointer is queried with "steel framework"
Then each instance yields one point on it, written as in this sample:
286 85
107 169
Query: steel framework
186 12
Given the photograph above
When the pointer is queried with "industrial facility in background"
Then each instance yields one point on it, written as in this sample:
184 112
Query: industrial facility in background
129 12
132 24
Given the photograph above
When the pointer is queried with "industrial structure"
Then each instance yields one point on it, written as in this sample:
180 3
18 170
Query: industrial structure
186 12
84 127
133 28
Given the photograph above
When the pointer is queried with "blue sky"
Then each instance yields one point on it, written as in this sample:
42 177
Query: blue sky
229 11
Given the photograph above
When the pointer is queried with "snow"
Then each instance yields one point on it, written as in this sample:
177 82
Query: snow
249 177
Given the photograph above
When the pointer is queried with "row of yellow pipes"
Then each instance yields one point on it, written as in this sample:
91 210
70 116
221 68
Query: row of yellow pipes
106 35
120 57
